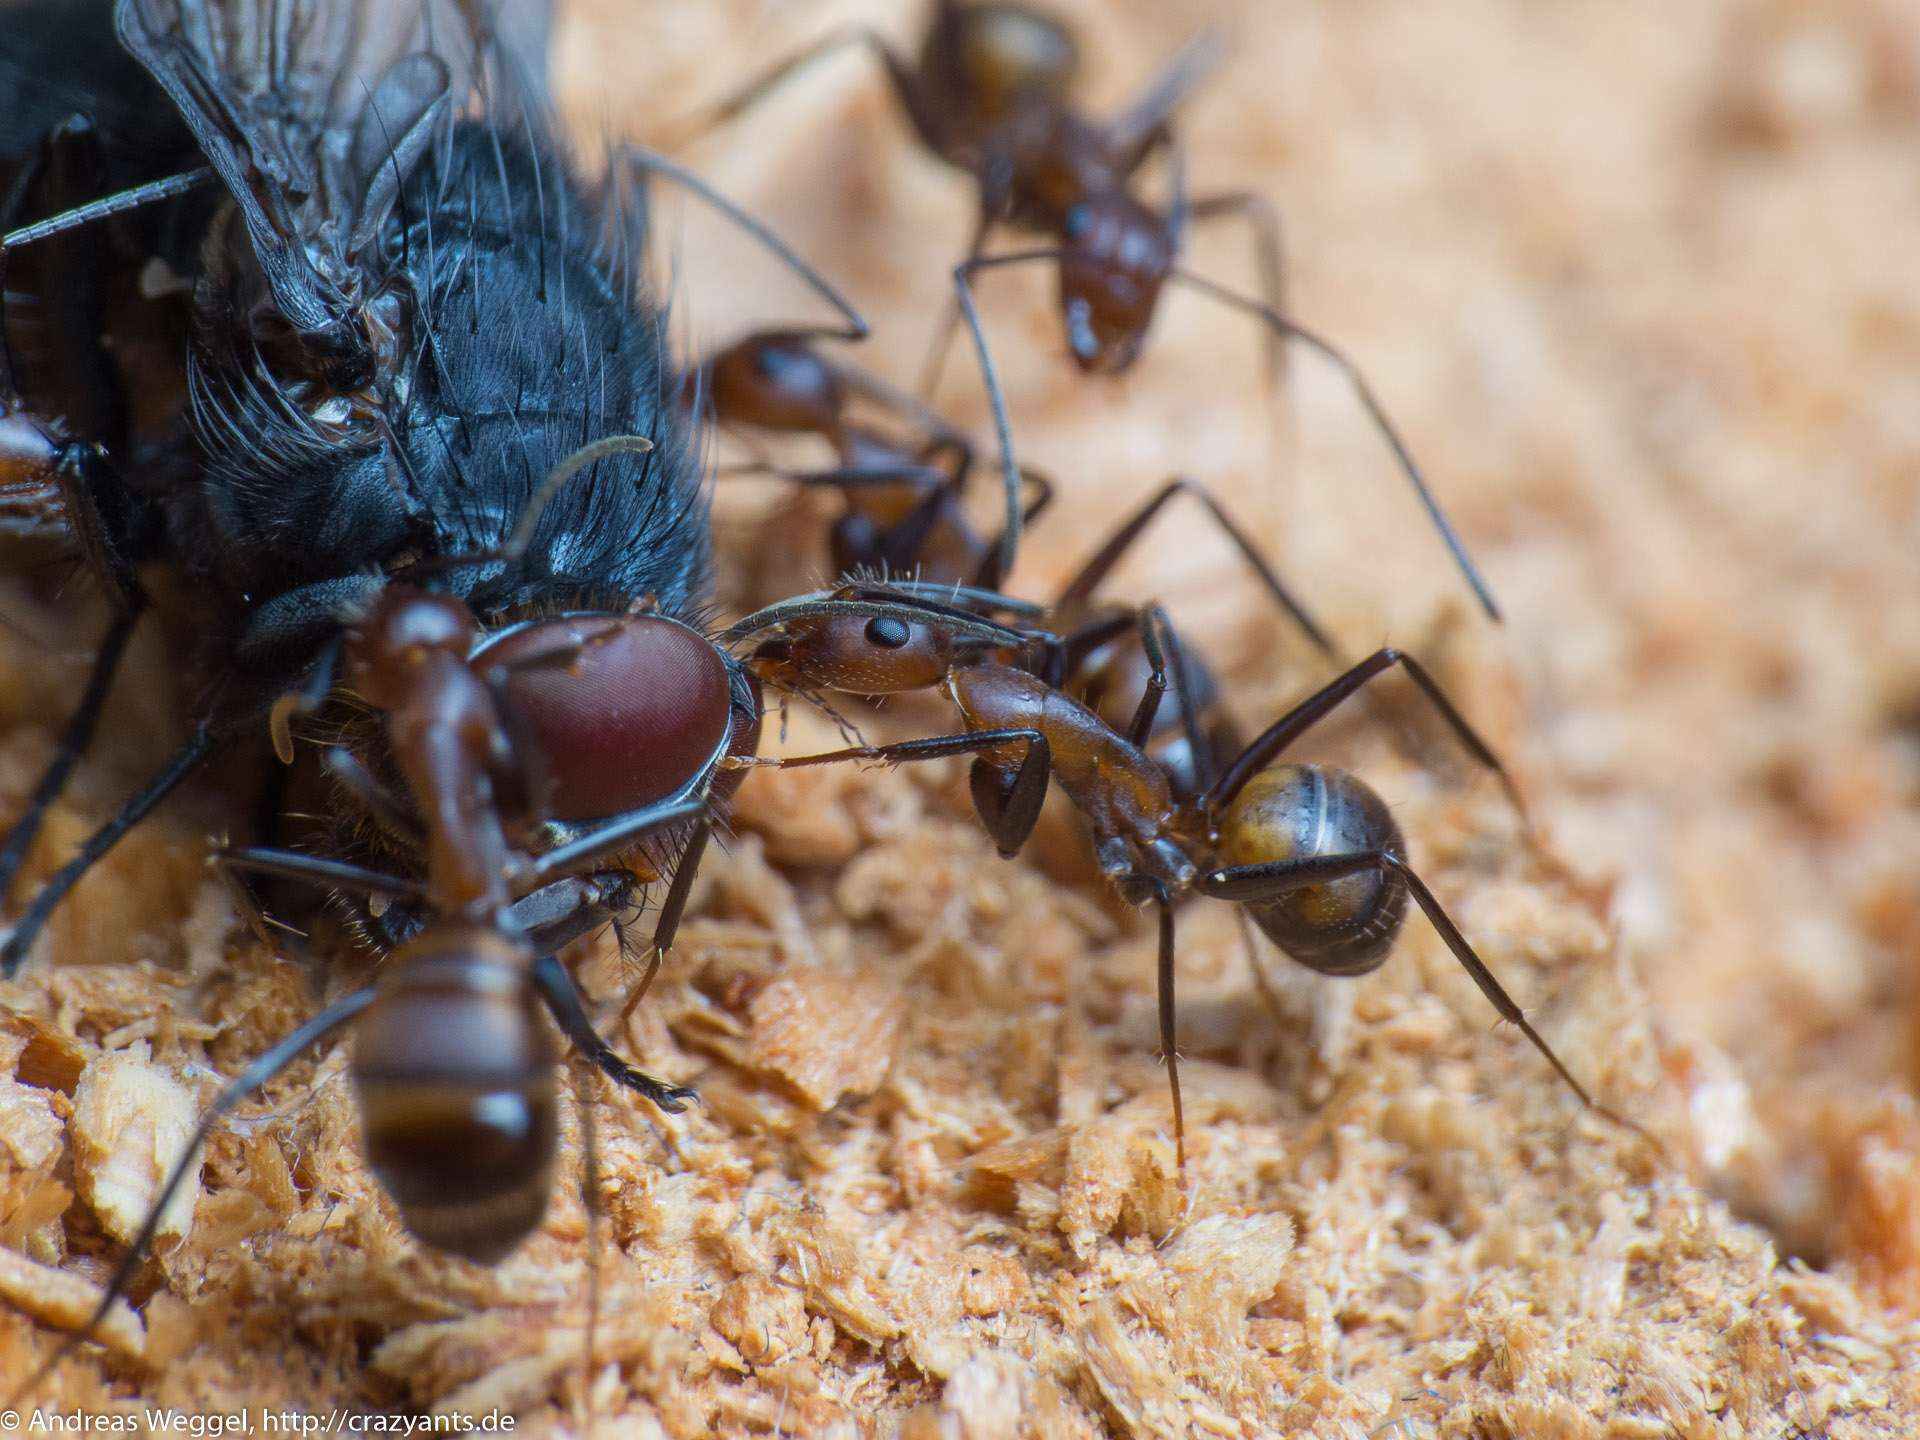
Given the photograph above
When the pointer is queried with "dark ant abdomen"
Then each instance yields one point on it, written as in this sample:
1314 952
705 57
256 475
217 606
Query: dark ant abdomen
466 1149
988 60
1299 812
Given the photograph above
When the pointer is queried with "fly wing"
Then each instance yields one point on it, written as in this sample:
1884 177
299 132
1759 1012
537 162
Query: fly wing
313 112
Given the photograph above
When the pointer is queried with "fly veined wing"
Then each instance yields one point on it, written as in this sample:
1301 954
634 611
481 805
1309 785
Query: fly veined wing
313 113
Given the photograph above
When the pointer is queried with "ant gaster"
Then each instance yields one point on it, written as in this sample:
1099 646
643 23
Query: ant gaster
904 486
1310 851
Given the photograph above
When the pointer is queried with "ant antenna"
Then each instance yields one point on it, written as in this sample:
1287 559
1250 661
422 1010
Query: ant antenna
996 397
586 455
871 603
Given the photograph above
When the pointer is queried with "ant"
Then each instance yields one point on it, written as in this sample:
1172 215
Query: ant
989 94
1311 852
903 490
500 737
904 518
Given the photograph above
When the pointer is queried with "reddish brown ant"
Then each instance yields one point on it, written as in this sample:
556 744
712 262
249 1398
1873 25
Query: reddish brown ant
904 517
1311 852
989 94
452 1062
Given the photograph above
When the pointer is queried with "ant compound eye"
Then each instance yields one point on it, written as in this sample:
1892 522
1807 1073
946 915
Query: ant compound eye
1079 218
888 633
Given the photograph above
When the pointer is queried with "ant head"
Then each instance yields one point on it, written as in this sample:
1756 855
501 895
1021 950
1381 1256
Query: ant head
1115 254
623 710
454 1072
394 638
773 381
868 639
857 653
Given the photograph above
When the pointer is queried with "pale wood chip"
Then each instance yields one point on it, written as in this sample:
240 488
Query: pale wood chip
66 1302
131 1124
827 1034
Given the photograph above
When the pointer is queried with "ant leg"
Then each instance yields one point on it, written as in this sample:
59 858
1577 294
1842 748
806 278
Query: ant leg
1151 622
245 1084
1198 743
384 807
1009 812
935 364
1167 1027
671 911
1269 256
914 411
1246 884
621 833
989 575
1098 566
855 327
564 1004
1010 471
77 216
1262 981
318 871
27 929
1376 412
906 84
1145 124
106 208
585 1083
72 745
553 916
1315 708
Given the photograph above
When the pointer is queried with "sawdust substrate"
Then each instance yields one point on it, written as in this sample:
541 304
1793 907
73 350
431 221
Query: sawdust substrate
1631 275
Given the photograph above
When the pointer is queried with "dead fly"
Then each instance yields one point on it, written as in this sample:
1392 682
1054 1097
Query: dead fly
1311 853
429 479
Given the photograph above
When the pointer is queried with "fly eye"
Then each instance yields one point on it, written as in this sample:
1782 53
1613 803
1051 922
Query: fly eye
1078 219
888 633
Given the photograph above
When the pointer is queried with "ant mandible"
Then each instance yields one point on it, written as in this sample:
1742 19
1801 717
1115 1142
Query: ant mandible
1310 851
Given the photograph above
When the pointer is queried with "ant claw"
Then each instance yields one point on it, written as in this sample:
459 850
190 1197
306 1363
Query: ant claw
674 1099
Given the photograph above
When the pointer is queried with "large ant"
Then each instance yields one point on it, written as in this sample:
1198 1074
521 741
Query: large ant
989 95
1311 852
508 744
